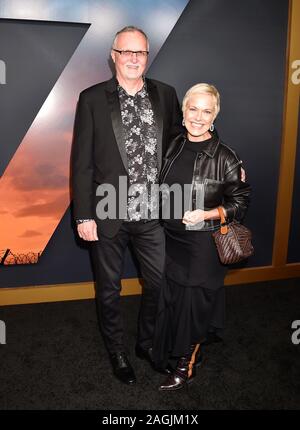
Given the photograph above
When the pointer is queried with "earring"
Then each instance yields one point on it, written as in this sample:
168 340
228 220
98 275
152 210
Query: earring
183 122
212 127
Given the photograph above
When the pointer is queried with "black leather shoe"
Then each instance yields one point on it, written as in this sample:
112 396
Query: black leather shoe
146 354
175 381
181 376
122 368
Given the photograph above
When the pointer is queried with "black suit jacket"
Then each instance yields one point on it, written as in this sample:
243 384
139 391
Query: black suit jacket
99 155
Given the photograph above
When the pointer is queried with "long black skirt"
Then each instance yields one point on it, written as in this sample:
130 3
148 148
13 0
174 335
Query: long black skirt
192 301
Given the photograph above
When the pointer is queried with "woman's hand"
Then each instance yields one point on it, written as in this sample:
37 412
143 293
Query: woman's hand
193 217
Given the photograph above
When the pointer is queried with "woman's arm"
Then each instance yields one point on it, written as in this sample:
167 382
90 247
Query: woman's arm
235 201
236 194
199 215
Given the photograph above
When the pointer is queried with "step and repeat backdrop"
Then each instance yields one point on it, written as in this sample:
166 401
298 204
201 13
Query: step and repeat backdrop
52 50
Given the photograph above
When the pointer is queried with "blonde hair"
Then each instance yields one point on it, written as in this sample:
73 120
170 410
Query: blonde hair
202 88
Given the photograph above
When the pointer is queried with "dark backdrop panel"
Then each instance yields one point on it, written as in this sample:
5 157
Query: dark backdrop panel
30 73
294 246
240 47
30 77
63 260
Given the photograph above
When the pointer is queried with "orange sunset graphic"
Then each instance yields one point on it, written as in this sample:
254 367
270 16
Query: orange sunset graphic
34 187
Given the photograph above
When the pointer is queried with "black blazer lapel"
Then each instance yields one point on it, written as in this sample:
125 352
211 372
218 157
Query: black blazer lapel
115 113
156 106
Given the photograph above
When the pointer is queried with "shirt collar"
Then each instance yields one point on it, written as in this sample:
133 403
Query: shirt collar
211 147
139 93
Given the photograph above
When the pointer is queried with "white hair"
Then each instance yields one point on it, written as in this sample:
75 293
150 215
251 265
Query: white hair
128 29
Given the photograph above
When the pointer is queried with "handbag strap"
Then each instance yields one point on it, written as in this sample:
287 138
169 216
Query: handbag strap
224 228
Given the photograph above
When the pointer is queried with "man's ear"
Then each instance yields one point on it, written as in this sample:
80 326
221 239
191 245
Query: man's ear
113 55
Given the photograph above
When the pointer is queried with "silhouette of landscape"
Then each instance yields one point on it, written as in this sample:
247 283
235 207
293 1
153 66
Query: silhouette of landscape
7 257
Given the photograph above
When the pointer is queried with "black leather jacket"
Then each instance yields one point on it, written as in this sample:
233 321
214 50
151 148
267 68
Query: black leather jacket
218 168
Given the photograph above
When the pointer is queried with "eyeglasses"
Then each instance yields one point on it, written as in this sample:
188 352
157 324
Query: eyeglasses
128 54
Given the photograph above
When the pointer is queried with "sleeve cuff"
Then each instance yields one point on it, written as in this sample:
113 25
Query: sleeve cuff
80 221
230 212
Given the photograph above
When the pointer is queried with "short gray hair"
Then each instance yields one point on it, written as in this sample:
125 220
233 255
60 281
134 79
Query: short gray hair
128 29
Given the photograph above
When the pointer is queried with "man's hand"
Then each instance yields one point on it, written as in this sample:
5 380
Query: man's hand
88 230
193 217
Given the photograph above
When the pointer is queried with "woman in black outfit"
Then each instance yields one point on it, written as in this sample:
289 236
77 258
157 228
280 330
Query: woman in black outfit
192 300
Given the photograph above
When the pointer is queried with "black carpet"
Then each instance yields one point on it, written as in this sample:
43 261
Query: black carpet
54 357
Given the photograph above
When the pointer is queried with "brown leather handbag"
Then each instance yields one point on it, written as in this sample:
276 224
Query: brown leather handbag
233 241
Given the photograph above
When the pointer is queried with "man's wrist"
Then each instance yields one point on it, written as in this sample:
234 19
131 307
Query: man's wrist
80 221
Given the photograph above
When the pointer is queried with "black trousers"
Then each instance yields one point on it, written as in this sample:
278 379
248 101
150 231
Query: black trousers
148 241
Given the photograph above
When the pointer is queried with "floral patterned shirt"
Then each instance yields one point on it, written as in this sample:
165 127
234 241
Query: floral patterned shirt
140 137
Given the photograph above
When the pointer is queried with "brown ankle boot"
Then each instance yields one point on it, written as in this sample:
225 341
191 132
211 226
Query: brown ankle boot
183 374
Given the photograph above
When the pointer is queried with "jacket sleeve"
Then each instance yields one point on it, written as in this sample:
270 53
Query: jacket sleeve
236 193
82 162
176 126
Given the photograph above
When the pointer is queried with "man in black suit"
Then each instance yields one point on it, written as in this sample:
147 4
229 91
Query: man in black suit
122 129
